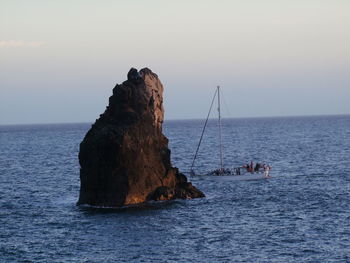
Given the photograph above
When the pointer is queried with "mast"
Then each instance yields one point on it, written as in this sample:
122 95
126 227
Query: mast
221 153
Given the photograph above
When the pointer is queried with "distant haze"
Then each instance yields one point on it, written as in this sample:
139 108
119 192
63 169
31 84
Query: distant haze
59 60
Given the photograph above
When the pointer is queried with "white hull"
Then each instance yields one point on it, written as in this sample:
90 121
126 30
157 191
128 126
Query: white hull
243 177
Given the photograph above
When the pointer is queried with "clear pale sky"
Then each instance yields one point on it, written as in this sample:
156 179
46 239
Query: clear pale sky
59 60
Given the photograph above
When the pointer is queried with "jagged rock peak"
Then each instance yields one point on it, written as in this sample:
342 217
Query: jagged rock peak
124 157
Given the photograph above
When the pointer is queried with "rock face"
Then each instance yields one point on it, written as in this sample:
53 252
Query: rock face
124 157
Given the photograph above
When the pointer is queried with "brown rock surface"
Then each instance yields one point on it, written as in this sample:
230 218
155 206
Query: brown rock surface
124 157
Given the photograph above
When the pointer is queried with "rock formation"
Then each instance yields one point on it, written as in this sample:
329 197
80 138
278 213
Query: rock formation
124 157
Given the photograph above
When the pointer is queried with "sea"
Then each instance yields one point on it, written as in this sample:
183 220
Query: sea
300 214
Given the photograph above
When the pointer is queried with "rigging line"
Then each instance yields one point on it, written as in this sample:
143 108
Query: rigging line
230 128
205 124
227 108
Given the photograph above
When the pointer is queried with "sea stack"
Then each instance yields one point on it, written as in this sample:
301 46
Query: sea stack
124 157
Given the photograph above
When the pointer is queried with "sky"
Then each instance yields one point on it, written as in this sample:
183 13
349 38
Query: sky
59 60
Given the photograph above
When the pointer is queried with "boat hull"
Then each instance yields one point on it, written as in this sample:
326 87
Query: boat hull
245 177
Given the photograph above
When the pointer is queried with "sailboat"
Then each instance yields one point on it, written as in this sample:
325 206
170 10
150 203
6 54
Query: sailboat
237 171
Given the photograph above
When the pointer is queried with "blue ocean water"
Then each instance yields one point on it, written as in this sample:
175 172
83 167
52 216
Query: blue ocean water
302 214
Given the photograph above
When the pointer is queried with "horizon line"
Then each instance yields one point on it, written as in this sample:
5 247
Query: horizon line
187 119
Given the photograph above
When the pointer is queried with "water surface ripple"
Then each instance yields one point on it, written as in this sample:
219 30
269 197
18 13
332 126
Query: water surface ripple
302 214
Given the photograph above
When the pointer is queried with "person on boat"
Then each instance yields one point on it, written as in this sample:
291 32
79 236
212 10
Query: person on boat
238 171
251 167
257 167
247 166
267 171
